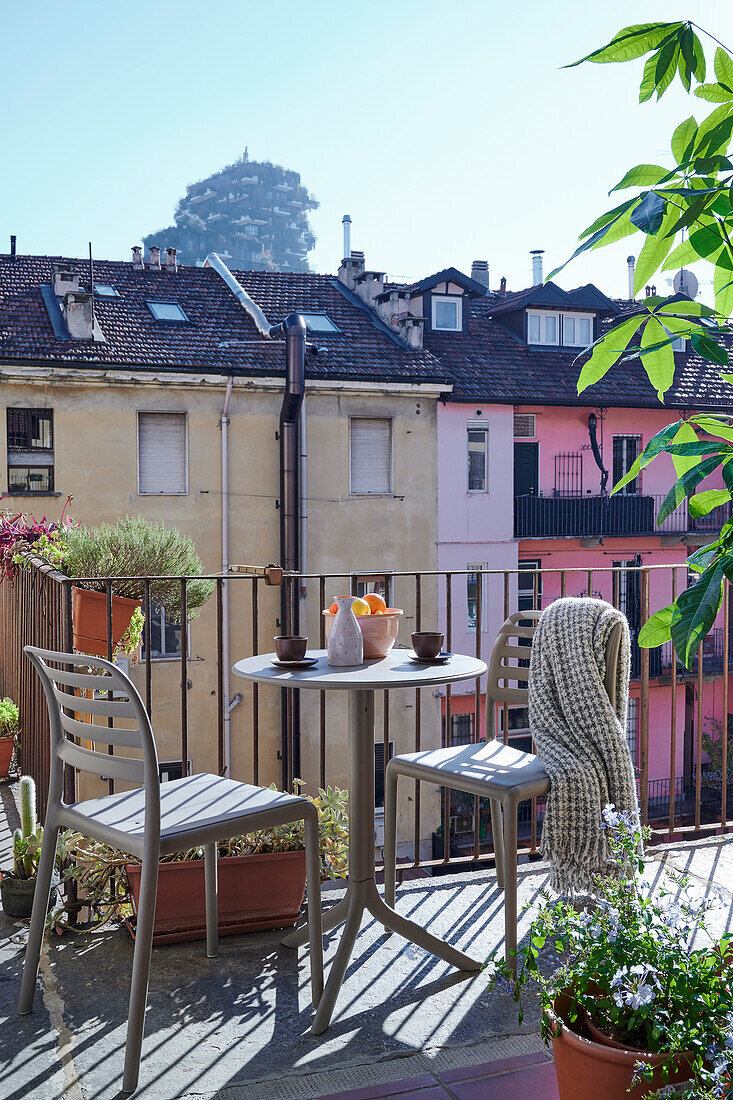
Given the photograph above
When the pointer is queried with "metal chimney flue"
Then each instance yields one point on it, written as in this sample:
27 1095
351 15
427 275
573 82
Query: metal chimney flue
12 246
537 276
631 267
346 222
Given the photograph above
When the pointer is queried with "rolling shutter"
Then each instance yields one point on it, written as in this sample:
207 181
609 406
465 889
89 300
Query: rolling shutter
371 455
161 450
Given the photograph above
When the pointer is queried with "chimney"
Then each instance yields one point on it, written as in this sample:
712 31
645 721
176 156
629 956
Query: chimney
137 258
63 280
154 258
480 272
12 246
78 312
171 264
537 254
631 266
351 266
502 285
346 222
368 284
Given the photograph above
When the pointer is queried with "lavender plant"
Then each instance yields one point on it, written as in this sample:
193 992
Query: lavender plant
630 964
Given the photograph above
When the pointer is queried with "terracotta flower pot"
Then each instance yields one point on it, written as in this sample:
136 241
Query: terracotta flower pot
6 755
587 1070
254 892
90 620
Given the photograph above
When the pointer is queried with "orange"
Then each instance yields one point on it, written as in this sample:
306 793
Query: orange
376 603
333 608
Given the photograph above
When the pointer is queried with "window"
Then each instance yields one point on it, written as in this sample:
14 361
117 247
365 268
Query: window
472 591
167 311
30 450
371 455
165 637
319 322
478 435
528 571
524 426
447 313
577 330
379 766
517 725
461 729
543 328
378 584
161 454
632 730
172 769
105 290
626 449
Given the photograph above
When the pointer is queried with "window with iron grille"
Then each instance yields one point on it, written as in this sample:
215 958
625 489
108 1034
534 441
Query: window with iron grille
626 449
632 730
529 584
524 426
30 450
461 729
568 475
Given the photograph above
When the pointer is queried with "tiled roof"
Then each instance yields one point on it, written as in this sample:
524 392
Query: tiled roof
490 363
221 338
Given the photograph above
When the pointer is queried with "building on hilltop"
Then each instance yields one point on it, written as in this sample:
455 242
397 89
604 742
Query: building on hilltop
253 213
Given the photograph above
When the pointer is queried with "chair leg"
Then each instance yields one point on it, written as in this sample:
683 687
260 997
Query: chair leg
497 831
510 885
211 855
140 973
390 834
38 919
315 921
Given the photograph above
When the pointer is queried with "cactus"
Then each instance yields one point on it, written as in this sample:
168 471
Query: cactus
28 839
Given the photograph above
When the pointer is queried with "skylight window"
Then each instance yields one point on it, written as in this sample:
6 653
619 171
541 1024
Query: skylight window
319 322
167 311
106 290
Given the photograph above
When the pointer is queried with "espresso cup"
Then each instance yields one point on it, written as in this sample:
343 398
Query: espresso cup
290 647
427 643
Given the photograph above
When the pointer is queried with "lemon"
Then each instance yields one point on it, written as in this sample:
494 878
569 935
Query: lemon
361 607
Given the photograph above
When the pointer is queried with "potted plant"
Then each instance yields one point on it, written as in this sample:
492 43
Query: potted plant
9 734
261 877
132 547
18 886
629 1005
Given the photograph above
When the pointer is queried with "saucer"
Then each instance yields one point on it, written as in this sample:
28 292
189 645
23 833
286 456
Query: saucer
307 662
441 659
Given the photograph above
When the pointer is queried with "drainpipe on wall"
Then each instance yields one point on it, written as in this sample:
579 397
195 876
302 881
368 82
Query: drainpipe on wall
228 703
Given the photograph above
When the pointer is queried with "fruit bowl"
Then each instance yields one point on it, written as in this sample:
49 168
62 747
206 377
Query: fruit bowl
379 631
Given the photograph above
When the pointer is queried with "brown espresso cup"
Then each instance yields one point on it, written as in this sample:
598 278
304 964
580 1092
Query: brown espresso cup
290 647
427 643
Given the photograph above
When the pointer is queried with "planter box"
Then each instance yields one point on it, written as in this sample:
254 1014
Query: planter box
90 620
255 892
6 755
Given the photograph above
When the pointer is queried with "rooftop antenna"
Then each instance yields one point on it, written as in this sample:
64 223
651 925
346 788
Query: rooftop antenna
91 281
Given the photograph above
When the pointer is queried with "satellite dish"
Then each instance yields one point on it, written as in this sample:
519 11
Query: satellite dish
685 282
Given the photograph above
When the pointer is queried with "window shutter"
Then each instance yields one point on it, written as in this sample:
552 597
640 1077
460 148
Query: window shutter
371 455
162 453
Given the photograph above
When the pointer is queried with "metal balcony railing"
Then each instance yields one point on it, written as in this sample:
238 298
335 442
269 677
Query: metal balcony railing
279 737
575 516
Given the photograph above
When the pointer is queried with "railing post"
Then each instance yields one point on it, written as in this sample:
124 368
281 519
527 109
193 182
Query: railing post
644 693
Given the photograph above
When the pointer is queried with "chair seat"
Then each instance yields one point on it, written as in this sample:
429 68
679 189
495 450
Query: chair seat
486 768
194 810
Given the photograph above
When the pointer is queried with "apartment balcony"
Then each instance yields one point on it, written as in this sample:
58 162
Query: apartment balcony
576 516
238 1026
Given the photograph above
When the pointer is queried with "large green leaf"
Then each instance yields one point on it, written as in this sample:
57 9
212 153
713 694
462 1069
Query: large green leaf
698 447
702 503
683 463
685 309
723 291
695 612
682 138
707 133
701 244
649 214
709 349
657 359
690 216
654 447
608 217
630 43
607 351
591 242
715 425
724 68
657 629
686 485
641 176
654 251
714 93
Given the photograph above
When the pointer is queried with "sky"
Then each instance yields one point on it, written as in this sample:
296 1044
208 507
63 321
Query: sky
448 131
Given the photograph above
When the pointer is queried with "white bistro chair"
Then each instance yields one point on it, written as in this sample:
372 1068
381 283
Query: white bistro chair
150 821
489 769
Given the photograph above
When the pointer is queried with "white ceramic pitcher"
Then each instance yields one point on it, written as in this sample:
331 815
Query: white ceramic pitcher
345 639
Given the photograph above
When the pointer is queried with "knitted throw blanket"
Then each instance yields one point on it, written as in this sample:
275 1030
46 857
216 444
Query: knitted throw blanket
580 739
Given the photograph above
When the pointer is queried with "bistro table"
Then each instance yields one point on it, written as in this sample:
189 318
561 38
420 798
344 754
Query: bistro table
394 671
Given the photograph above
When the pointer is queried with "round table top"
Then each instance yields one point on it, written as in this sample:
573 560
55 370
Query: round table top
394 671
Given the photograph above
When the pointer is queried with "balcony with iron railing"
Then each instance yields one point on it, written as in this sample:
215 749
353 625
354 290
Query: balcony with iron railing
572 515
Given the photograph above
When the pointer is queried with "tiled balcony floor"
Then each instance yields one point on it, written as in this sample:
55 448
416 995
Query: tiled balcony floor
237 1027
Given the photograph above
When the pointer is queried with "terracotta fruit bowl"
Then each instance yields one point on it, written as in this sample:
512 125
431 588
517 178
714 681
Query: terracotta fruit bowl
379 631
